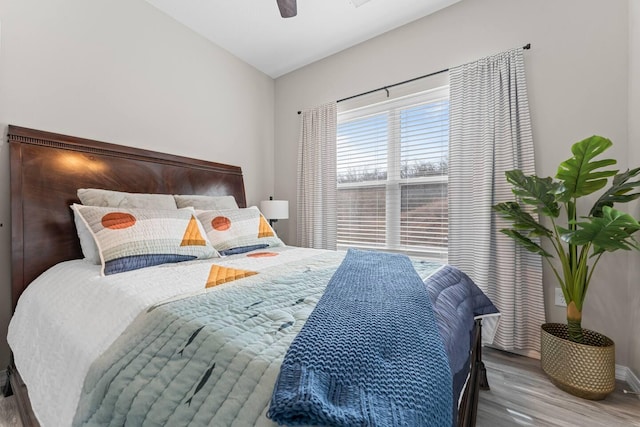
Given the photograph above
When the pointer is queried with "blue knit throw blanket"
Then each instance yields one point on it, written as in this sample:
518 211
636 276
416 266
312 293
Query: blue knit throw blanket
370 354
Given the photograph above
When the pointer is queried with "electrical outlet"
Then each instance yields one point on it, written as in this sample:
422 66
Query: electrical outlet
560 298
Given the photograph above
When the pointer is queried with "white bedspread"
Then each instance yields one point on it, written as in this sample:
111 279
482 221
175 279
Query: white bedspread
70 315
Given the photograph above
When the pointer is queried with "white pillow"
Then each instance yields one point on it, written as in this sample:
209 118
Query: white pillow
129 239
87 243
119 199
238 230
205 202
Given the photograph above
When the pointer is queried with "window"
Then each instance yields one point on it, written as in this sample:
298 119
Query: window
392 162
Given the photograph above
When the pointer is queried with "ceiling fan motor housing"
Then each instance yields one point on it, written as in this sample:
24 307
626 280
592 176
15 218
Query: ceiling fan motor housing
288 8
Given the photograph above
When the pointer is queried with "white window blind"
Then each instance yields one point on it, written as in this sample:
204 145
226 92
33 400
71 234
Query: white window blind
392 162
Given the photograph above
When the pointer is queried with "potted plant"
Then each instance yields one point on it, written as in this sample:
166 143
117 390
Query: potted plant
577 360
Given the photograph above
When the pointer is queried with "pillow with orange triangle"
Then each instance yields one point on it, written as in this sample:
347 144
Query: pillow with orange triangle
129 239
237 230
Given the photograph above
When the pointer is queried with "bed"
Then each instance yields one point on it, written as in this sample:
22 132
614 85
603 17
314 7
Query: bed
47 169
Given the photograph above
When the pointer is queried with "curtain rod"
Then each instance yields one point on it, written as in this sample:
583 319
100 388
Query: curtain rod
386 88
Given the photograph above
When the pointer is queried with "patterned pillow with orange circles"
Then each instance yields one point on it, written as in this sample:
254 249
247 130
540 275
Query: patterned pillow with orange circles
238 230
129 239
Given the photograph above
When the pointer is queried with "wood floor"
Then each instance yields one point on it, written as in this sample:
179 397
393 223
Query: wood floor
9 412
520 395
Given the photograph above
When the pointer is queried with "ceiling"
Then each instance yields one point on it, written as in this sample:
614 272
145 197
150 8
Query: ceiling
253 30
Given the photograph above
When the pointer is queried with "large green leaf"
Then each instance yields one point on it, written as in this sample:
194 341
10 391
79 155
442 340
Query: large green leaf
578 173
610 232
535 191
526 242
618 192
521 220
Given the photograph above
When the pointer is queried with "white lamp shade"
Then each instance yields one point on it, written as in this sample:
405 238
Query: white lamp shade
275 209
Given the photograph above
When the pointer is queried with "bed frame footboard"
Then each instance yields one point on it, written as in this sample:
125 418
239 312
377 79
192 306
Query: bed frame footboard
477 381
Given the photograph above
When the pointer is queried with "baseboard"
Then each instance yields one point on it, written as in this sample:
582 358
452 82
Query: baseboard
526 353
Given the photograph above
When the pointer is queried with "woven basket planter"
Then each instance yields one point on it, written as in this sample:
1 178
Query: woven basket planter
585 370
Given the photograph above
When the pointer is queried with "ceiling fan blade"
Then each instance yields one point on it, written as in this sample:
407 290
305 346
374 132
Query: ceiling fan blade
288 8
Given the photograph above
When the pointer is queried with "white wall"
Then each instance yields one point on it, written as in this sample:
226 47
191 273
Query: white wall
577 81
634 160
121 71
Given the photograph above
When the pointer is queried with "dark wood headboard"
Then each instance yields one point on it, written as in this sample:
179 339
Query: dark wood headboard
48 168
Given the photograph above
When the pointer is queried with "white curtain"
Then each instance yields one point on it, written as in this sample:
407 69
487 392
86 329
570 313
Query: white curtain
317 178
490 133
